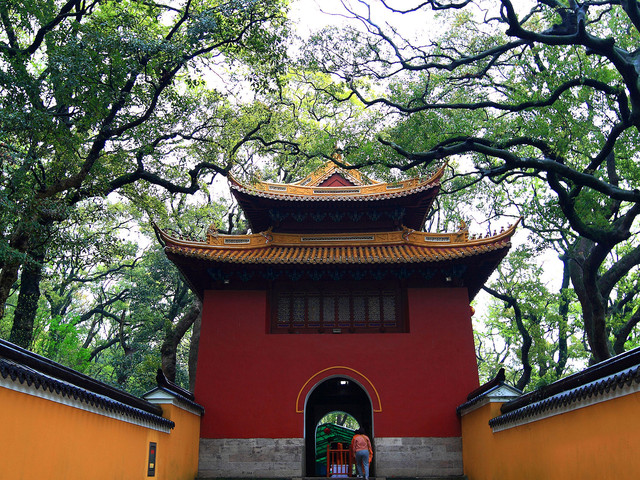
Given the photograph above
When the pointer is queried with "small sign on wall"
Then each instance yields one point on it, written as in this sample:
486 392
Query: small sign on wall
151 467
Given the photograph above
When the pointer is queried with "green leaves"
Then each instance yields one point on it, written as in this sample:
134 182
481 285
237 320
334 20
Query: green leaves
115 98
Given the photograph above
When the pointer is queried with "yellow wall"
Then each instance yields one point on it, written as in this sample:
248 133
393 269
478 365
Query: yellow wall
42 439
595 442
178 453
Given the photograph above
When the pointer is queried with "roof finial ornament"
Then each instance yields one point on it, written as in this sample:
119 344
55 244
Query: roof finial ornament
267 235
406 233
212 233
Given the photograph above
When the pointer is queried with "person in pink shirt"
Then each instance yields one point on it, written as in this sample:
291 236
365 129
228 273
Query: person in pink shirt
362 453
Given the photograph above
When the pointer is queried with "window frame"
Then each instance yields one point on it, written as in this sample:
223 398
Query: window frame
330 294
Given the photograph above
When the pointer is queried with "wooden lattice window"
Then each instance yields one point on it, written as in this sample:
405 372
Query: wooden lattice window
337 308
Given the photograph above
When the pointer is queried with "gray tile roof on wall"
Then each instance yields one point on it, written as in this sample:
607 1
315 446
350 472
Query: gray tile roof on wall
43 374
618 372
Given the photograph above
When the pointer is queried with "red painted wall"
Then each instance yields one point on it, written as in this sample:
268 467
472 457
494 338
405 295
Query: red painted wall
248 380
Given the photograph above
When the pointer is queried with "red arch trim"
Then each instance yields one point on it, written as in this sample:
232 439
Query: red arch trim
331 372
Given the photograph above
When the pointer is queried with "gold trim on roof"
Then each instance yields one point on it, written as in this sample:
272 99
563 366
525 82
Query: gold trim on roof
406 246
311 191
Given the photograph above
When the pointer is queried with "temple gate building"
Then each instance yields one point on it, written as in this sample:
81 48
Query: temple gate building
336 302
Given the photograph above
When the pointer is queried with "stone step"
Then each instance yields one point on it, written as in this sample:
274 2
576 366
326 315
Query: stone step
455 477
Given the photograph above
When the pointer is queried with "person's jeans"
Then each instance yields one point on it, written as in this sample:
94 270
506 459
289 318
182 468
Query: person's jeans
362 463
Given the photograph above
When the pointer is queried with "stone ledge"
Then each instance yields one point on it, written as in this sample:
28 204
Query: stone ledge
455 477
236 458
395 458
418 457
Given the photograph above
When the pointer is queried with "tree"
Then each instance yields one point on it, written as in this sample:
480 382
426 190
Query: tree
99 96
544 95
540 327
113 308
342 419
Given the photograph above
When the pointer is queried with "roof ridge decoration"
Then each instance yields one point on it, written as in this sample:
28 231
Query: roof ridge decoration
348 206
499 393
330 167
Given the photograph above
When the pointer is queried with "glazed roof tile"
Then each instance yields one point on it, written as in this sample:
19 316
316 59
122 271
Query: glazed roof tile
574 396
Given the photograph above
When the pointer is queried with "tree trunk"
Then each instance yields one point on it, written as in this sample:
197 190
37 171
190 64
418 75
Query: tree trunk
527 340
8 277
584 281
9 271
600 339
193 352
563 312
173 336
27 307
623 333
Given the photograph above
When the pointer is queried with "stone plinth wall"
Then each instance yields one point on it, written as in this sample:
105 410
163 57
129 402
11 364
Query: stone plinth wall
251 457
283 457
418 456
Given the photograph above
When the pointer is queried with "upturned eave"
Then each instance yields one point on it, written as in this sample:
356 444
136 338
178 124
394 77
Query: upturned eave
313 193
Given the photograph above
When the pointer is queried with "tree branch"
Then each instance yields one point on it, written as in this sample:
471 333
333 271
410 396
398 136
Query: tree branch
527 340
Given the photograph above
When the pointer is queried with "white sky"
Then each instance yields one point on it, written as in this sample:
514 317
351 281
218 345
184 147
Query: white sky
312 15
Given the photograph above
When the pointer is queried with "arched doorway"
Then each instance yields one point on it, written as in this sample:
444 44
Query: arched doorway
334 394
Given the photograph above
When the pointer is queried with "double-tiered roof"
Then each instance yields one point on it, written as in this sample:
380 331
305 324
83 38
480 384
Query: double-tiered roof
336 224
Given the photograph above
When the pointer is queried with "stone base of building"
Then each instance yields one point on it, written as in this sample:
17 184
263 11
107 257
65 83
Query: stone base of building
250 457
283 457
418 456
